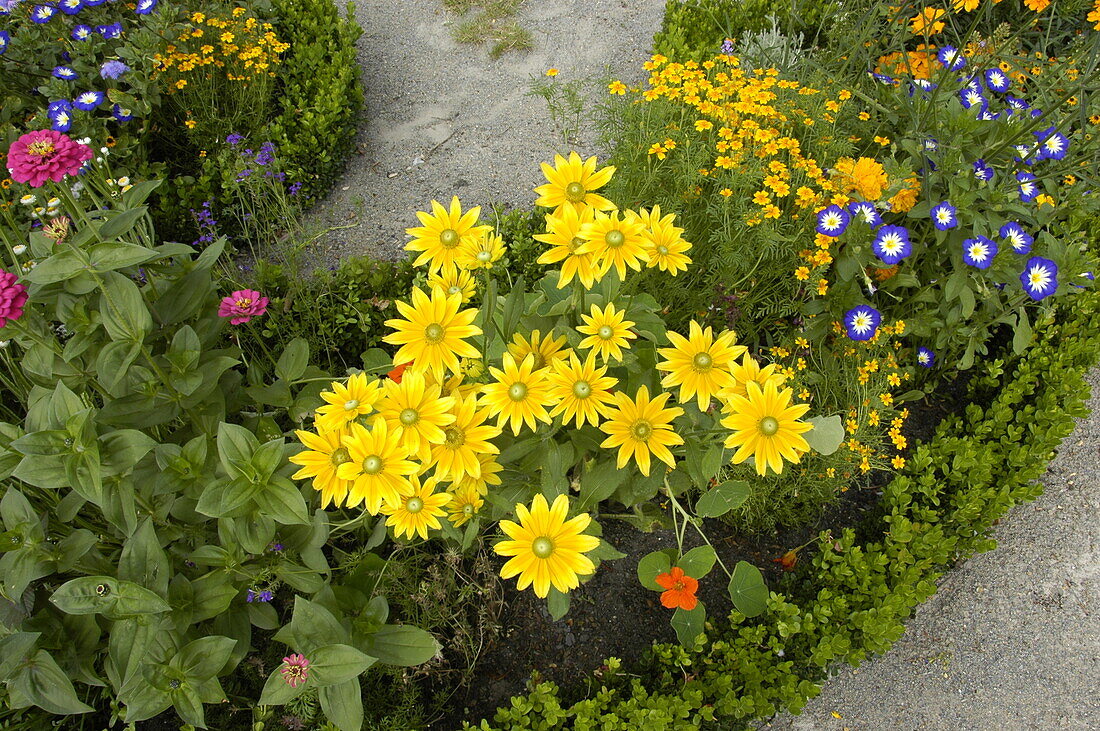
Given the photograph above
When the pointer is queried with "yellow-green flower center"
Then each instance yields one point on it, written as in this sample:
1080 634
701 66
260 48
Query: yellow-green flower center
340 456
468 509
542 547
581 389
517 391
454 289
702 362
662 250
575 243
614 239
769 426
351 404
449 238
433 333
372 465
605 332
42 148
575 192
414 505
484 257
641 430
454 437
408 417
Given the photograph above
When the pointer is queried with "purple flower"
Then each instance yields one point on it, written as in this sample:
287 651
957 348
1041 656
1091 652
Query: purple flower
1039 277
114 30
979 252
1029 191
65 73
71 7
88 100
144 7
1053 145
997 80
294 188
972 98
5 39
234 139
861 322
727 47
982 171
266 154
244 174
43 13
865 211
122 115
113 69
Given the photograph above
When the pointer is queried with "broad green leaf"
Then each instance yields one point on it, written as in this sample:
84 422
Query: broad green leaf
748 590
698 562
236 446
123 310
689 624
143 561
557 603
119 224
16 510
343 704
204 658
48 687
188 705
108 596
277 691
118 255
333 664
652 564
599 483
113 364
827 434
721 499
311 626
1022 335
121 450
14 649
292 363
401 644
59 267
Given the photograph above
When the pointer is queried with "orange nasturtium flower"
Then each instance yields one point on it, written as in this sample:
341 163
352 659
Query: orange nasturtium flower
679 589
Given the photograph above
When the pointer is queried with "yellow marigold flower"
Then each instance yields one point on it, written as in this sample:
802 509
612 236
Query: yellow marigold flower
723 161
417 412
443 233
664 241
906 198
701 125
927 21
615 242
1044 199
864 176
771 211
346 402
451 281
190 124
761 198
657 149
563 235
377 467
617 87
464 505
465 441
546 349
700 363
481 253
519 394
765 426
725 192
572 182
640 427
608 332
864 116
582 391
1037 6
321 458
551 72
884 141
417 509
802 273
181 83
432 333
546 549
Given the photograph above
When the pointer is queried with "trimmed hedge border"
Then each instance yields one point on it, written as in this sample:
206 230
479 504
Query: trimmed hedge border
851 601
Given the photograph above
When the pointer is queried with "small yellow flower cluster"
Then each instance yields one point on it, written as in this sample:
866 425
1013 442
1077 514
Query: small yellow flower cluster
243 47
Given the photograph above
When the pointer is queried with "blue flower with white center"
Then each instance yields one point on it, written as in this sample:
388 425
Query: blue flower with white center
5 39
1053 145
144 7
974 84
979 251
982 171
61 121
988 115
61 105
122 115
1015 104
862 322
971 98
943 216
832 221
923 85
891 244
88 100
866 212
1039 277
113 69
82 32
43 13
925 357
951 57
1015 236
883 79
94 3
114 30
1029 191
65 73
997 80
71 7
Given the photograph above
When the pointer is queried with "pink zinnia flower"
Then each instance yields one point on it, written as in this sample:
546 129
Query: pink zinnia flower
242 306
45 155
13 296
295 670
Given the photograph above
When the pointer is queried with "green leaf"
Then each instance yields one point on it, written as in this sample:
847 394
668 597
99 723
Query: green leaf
557 603
188 705
712 461
721 499
47 686
292 363
599 483
652 564
334 664
377 361
748 590
698 562
689 624
401 644
343 704
1022 336
827 434
16 510
14 649
118 255
283 502
277 691
312 626
113 364
121 450
107 596
236 445
204 658
143 561
59 267
119 224
123 310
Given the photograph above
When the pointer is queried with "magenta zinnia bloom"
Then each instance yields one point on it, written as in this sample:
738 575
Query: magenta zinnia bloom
242 306
13 296
295 670
43 155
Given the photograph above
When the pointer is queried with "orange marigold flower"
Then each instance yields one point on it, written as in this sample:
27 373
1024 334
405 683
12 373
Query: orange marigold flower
1037 6
864 176
679 589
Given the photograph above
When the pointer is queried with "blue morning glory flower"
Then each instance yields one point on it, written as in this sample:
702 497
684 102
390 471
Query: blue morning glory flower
1029 191
61 121
5 39
862 322
71 7
951 57
891 244
866 212
943 216
982 171
144 7
114 30
43 13
122 115
65 73
925 357
1053 145
1039 277
987 115
1016 104
82 32
971 98
979 251
94 3
113 69
59 106
997 80
88 100
883 78
832 221
1016 237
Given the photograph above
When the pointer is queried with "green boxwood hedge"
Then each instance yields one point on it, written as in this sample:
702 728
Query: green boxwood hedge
851 600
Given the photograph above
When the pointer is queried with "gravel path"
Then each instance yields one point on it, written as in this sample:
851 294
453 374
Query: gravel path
444 119
1012 638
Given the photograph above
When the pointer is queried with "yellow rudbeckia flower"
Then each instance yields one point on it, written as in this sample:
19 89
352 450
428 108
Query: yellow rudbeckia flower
700 363
572 182
640 427
417 510
765 426
432 331
443 233
546 549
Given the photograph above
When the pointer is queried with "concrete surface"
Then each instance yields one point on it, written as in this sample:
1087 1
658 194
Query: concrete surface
1012 638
